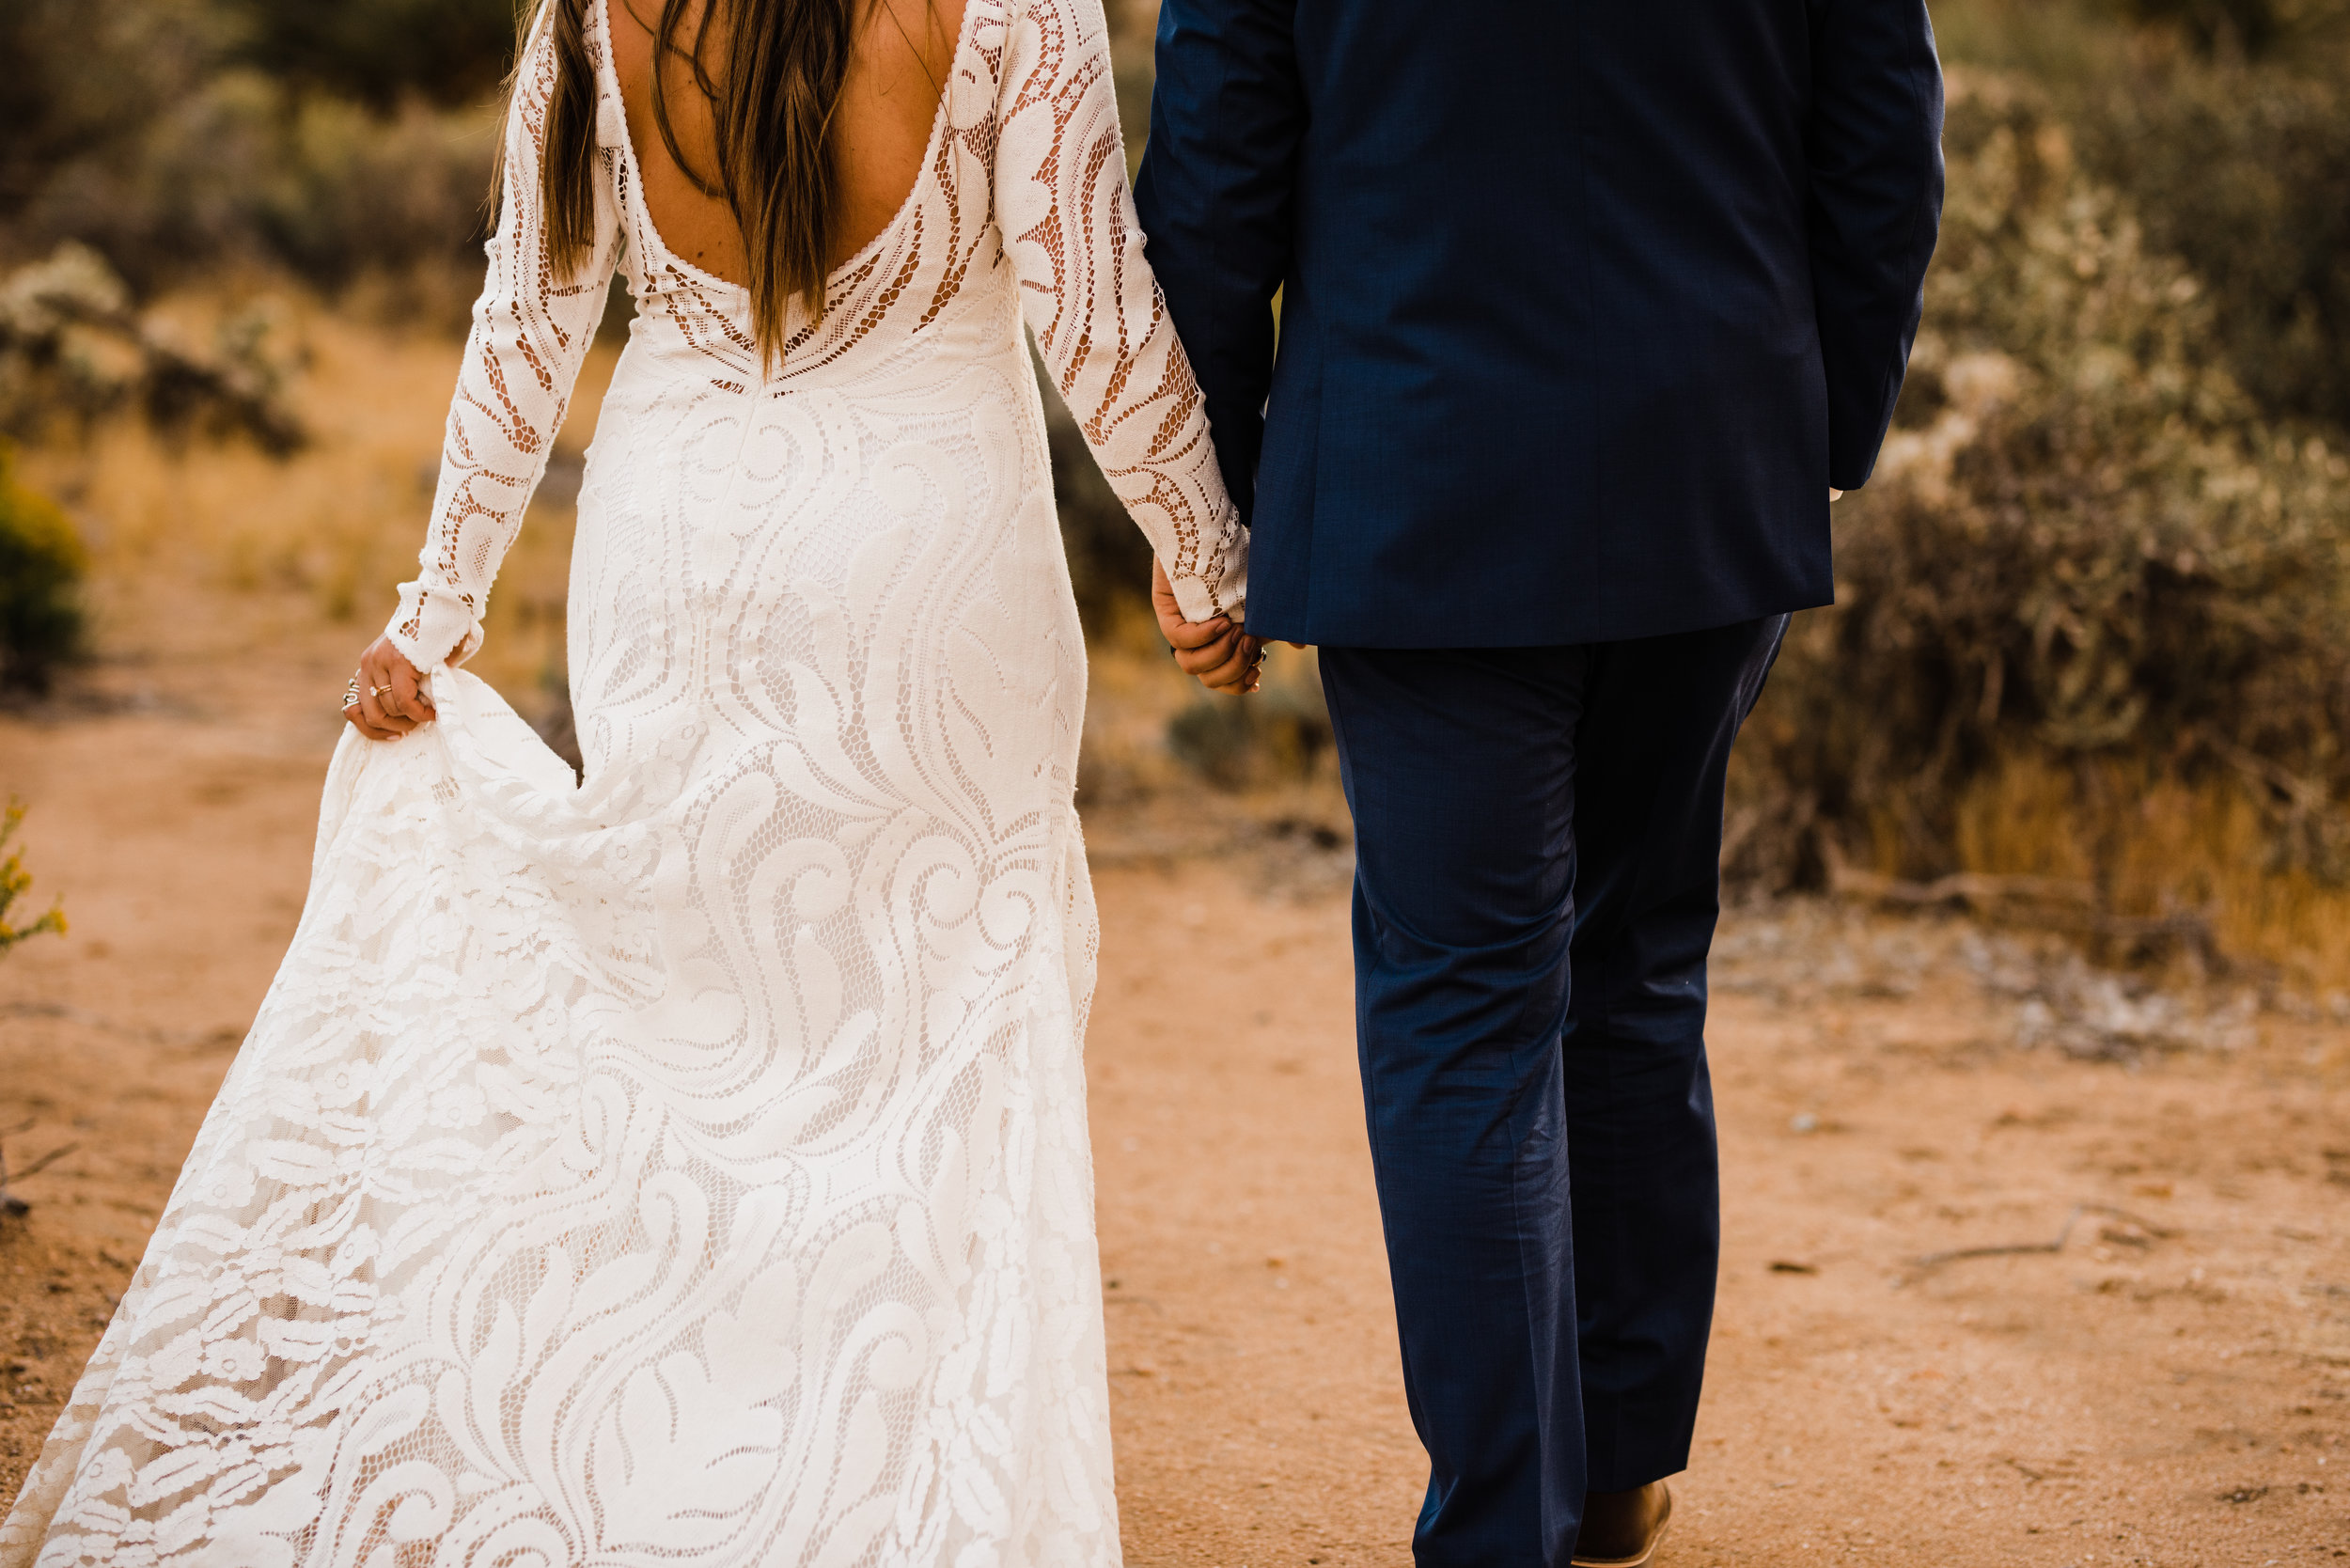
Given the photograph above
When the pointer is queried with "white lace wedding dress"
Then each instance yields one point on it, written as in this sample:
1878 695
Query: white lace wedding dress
690 1167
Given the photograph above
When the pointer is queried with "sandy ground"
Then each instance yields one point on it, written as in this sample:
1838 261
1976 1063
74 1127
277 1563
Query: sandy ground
2171 1387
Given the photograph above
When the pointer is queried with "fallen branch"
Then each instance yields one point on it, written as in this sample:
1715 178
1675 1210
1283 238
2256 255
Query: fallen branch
1976 887
2302 795
2066 905
2014 1249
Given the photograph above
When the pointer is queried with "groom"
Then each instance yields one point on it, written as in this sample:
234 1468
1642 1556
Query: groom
1582 309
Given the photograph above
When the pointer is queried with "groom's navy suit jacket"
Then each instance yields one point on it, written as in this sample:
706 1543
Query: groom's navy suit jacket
1584 304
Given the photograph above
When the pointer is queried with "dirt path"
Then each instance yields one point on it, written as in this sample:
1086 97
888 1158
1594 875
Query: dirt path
2172 1387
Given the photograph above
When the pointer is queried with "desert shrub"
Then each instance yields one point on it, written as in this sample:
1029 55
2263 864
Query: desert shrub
72 350
381 52
2246 28
41 564
14 882
2225 126
2243 171
181 136
2249 26
85 78
359 193
2084 553
1279 735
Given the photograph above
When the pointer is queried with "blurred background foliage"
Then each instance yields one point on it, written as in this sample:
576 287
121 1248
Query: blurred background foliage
2092 638
335 144
2092 632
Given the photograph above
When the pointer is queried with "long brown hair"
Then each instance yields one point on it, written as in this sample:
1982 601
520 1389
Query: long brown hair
774 105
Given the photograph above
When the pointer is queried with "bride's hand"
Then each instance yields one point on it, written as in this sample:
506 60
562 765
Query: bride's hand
1223 656
392 699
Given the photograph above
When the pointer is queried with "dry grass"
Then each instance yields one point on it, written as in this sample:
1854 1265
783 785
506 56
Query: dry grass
328 532
2156 848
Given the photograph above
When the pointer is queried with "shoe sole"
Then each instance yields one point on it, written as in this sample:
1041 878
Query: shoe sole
1641 1560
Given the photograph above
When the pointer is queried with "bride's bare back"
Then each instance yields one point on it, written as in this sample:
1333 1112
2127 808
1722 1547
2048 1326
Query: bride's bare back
888 101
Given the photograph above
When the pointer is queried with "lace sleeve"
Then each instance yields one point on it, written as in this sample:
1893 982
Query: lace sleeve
1069 224
530 331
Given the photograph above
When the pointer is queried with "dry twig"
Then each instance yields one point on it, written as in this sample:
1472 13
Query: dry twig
1935 1259
10 1202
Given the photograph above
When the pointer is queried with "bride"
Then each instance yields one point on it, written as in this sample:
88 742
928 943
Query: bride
689 1167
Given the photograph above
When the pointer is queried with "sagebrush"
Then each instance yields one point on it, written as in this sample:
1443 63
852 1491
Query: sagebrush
2084 549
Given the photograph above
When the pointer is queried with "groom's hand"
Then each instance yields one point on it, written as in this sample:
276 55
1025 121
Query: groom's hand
1221 655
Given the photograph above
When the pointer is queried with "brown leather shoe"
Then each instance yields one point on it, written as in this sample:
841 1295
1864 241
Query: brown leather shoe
1621 1530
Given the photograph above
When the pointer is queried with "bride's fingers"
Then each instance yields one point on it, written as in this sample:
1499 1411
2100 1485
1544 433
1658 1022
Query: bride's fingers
374 719
372 728
378 698
356 715
1198 659
393 684
1198 634
415 698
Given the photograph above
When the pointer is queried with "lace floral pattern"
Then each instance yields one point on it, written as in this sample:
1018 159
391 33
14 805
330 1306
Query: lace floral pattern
690 1167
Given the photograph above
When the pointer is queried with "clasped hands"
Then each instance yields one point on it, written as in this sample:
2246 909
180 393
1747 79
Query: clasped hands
1222 656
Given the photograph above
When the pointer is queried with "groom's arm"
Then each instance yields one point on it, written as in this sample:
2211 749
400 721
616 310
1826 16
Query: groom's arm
1874 146
1226 116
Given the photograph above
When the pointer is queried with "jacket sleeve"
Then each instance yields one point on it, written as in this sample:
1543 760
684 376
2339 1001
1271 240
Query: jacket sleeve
530 332
1226 118
1874 143
1069 226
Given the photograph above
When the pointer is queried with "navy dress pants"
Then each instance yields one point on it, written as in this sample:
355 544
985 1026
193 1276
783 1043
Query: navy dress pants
1537 840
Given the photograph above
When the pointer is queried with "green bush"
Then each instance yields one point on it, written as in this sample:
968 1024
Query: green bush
2083 542
41 564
